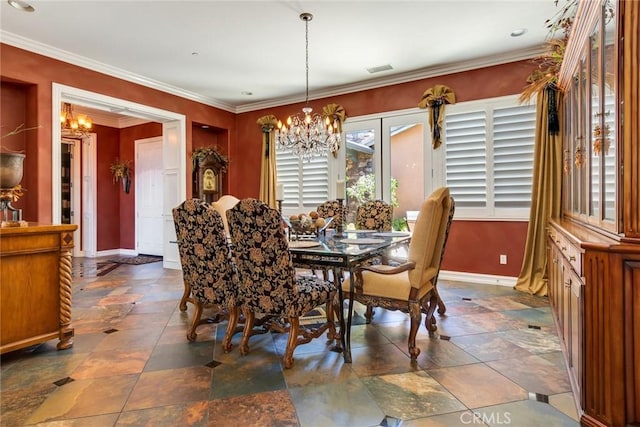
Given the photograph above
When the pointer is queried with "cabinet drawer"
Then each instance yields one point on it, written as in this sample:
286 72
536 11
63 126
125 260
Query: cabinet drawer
569 250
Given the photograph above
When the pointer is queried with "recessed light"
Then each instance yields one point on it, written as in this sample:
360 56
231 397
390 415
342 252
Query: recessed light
246 93
194 53
21 5
205 126
518 32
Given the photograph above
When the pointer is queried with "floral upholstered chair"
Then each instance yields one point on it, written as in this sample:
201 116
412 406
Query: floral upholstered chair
374 215
331 209
208 270
268 279
411 286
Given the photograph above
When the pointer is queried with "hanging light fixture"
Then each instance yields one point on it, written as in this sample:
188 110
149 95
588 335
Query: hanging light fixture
79 126
308 135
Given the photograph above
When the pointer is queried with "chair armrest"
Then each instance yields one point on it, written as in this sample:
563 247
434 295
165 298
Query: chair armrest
386 269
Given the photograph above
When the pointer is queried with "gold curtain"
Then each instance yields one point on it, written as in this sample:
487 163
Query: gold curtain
545 192
435 99
268 165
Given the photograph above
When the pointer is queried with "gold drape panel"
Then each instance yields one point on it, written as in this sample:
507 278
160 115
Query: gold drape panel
545 195
268 165
336 115
435 99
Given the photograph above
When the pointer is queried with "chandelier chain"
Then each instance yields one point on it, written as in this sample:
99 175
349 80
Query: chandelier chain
306 58
308 135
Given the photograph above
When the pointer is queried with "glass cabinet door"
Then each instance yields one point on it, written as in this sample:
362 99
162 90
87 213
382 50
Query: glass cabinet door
595 129
609 131
590 163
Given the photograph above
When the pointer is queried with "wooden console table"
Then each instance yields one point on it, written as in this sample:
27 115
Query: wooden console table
35 264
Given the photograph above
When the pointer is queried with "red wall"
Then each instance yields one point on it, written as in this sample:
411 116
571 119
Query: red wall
241 137
462 254
38 72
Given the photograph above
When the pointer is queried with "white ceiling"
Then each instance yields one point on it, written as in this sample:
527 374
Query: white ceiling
259 46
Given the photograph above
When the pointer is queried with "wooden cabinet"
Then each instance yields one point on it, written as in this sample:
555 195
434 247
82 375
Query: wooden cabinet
35 275
594 247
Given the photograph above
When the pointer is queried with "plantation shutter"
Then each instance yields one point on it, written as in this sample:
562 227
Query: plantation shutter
466 165
513 149
305 183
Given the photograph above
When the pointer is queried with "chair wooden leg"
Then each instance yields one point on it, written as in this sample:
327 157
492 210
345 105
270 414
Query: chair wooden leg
249 318
331 333
368 315
416 317
185 297
234 314
430 320
294 327
441 307
197 313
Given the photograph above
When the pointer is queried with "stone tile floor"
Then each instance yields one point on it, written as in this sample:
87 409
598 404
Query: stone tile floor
495 361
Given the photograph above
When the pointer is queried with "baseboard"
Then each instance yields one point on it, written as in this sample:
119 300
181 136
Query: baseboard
172 265
483 279
116 252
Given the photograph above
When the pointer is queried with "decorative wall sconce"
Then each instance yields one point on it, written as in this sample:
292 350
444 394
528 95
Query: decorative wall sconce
121 171
566 160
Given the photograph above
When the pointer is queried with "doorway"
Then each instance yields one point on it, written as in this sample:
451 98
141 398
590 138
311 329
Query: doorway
71 206
174 182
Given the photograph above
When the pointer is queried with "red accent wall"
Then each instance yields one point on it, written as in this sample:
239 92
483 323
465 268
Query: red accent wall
107 198
460 255
241 138
37 73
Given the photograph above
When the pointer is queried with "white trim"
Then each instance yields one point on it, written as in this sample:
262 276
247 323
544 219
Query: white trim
62 93
116 252
63 55
482 279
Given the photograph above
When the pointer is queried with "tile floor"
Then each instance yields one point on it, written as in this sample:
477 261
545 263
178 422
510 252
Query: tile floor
495 361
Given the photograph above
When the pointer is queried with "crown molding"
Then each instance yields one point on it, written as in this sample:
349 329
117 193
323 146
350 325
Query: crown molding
65 56
62 55
410 76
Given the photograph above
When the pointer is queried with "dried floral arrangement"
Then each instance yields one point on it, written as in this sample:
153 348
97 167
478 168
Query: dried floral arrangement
204 152
549 63
121 170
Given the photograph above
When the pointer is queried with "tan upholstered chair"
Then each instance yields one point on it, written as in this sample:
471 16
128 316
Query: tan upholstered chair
222 205
208 270
411 286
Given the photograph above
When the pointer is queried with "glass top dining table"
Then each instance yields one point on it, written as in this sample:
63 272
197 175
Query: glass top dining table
343 252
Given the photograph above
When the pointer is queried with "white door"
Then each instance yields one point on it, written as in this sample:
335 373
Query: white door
149 196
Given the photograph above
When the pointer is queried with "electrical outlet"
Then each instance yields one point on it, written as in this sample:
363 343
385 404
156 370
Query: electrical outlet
503 259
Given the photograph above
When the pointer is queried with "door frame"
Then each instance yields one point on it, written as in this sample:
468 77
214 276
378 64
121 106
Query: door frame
76 186
174 142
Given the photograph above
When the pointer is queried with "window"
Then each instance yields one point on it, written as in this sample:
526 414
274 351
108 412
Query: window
305 183
486 160
489 147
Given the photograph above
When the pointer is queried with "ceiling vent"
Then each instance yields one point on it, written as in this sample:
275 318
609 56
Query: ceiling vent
380 68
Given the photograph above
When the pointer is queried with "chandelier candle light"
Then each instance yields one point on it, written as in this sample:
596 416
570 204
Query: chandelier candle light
75 126
308 135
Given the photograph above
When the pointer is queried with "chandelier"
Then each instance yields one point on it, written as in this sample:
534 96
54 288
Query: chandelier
308 135
79 126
